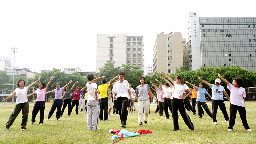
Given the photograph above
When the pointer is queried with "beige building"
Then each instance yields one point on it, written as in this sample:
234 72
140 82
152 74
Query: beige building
119 48
168 52
186 52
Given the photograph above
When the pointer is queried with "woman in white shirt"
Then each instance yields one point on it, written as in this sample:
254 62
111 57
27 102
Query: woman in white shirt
178 104
21 103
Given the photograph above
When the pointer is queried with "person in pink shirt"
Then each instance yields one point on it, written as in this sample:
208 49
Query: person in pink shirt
237 102
40 101
76 98
160 98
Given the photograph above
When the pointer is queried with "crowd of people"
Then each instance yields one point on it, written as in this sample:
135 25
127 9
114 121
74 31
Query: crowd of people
98 101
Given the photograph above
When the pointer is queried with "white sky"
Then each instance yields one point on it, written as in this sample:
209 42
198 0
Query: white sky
62 33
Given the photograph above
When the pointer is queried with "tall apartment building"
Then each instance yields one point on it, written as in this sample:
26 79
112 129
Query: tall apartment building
168 52
119 48
226 41
5 64
186 53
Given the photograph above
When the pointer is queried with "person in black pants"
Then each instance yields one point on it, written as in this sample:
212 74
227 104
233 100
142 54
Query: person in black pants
40 101
121 88
177 103
67 99
160 99
115 109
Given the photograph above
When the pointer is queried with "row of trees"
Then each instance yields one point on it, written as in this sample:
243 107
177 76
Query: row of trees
133 73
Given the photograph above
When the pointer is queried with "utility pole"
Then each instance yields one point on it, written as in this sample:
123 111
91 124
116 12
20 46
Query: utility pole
14 50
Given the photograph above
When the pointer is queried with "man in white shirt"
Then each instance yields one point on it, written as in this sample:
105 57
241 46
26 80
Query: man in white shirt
122 93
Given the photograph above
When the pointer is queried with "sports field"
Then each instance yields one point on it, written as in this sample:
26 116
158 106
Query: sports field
73 129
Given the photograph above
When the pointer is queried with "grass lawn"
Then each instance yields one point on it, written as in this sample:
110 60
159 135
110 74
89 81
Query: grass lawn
73 129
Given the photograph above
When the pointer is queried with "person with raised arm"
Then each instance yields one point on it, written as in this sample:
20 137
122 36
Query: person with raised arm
217 97
92 102
141 93
21 103
76 98
67 99
178 104
57 103
201 102
132 98
160 94
168 90
237 101
40 101
103 91
122 92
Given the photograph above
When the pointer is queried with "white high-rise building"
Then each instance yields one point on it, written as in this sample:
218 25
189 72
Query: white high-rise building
5 64
119 48
194 41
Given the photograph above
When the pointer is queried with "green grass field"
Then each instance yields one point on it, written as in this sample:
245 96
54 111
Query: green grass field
73 129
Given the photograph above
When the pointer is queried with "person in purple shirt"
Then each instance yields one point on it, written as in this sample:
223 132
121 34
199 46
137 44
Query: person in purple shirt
57 101
237 102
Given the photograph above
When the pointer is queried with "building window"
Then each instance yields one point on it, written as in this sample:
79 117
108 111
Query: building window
111 45
169 70
134 55
139 49
139 55
139 44
128 61
229 54
133 49
169 57
139 61
169 51
169 64
169 45
139 38
128 38
229 60
169 38
134 61
111 39
128 44
128 49
133 43
134 38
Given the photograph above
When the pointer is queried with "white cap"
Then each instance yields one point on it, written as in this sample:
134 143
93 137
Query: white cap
217 80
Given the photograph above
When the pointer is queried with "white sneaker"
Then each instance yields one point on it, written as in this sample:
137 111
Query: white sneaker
249 130
31 123
41 124
58 119
215 123
22 129
98 128
230 129
47 119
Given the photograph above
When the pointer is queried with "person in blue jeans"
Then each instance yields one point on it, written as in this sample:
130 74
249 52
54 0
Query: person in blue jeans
217 96
201 102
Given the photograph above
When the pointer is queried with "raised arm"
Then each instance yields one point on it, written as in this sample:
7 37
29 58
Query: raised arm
11 96
154 85
82 89
98 78
34 83
158 82
113 80
191 84
223 79
167 81
49 92
31 94
209 96
67 84
167 77
187 95
73 85
226 94
205 82
49 83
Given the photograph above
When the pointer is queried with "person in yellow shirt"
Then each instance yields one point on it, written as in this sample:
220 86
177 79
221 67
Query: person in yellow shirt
103 91
194 97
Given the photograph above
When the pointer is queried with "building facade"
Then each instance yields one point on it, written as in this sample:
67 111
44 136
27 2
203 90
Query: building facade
5 64
168 52
119 48
224 41
71 70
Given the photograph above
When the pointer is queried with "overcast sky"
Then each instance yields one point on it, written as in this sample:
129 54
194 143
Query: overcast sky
60 33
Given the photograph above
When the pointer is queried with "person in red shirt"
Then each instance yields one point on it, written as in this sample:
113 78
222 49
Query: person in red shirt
76 98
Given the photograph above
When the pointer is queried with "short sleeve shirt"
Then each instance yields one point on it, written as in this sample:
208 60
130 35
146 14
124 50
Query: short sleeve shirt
121 89
40 94
201 92
91 87
217 92
103 89
167 92
194 93
67 94
237 95
58 93
179 90
76 95
21 95
132 93
142 92
160 94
